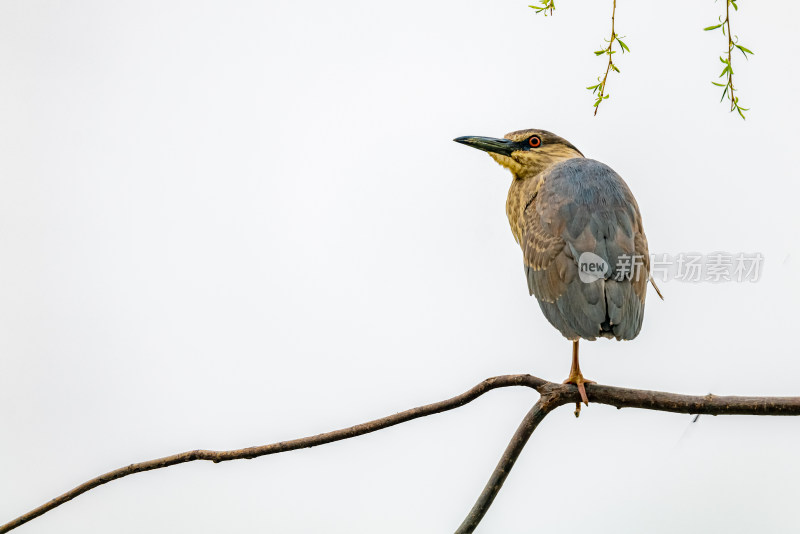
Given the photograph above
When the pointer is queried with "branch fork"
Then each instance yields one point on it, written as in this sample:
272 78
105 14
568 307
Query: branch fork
552 395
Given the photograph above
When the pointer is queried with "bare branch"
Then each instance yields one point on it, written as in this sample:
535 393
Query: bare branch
553 395
691 404
539 411
283 446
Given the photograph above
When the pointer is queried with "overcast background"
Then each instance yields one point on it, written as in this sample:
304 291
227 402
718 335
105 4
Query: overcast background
226 224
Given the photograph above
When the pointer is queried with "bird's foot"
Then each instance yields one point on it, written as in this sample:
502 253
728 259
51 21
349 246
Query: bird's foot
578 380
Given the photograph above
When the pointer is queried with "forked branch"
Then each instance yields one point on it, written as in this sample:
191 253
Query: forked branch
552 396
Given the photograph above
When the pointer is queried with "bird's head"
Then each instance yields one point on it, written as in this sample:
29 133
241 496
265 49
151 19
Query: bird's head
525 153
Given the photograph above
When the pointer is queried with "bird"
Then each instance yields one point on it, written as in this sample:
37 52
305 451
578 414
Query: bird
583 245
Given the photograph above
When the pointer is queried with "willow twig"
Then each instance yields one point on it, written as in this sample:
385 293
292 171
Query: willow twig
727 59
600 88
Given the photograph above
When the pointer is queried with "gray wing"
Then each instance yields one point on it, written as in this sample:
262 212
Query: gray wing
584 206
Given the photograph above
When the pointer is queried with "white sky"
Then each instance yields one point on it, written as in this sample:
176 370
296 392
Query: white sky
225 224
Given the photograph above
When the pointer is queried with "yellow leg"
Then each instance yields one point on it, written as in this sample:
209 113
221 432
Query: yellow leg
575 376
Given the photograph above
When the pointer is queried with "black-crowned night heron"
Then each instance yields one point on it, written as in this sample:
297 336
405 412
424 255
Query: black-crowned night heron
580 230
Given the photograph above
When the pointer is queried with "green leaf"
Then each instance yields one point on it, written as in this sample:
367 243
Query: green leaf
704 29
614 67
718 84
599 52
623 45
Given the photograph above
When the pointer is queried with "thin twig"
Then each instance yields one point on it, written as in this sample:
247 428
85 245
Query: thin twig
553 395
535 416
730 49
728 89
602 86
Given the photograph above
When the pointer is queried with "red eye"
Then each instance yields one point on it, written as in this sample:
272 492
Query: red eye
535 141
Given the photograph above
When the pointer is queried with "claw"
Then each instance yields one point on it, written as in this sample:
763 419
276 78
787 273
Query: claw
578 380
582 390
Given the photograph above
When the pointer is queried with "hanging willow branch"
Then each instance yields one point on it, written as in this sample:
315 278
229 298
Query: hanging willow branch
726 59
599 89
552 396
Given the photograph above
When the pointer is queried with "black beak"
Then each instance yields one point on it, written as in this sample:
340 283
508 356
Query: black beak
488 144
